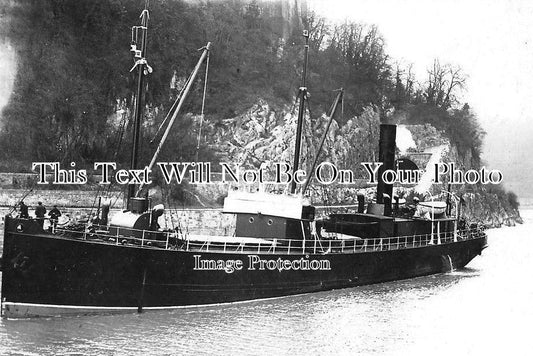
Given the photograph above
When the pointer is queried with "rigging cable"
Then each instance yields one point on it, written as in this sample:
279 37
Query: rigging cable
287 187
203 107
118 144
23 197
172 108
126 119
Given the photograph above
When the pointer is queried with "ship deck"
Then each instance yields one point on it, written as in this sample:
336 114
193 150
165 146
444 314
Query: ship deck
231 244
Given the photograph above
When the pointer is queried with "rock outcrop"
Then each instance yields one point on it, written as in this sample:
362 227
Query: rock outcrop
265 134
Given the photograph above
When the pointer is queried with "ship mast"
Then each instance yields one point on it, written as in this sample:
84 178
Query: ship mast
302 93
177 106
138 48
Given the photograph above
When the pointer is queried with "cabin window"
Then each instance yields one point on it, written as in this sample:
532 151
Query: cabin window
270 222
251 220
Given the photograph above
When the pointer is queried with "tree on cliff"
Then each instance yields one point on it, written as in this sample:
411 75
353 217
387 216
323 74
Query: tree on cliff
436 101
444 81
73 92
72 77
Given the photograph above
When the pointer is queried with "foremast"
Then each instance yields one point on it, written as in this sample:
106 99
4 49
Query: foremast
138 48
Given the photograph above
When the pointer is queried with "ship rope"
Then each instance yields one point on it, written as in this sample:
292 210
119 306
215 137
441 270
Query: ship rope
172 108
203 106
26 193
172 210
293 107
166 198
325 191
312 118
94 202
181 229
325 199
118 146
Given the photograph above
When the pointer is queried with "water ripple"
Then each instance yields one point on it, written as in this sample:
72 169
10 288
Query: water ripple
441 314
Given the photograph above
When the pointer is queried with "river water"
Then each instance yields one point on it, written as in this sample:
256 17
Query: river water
485 309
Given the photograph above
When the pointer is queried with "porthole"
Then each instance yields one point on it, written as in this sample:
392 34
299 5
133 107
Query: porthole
20 228
251 220
270 222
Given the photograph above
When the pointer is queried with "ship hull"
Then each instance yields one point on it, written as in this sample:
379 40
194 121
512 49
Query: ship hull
45 275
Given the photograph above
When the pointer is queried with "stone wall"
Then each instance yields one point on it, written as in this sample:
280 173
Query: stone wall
61 198
194 221
29 180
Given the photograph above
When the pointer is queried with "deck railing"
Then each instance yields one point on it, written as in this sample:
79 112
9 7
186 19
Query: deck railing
244 245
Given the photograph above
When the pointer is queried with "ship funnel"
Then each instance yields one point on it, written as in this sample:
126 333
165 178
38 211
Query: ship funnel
138 205
387 148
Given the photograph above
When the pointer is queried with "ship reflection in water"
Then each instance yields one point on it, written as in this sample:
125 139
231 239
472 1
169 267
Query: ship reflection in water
483 309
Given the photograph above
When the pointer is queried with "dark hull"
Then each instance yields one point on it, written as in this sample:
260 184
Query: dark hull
69 275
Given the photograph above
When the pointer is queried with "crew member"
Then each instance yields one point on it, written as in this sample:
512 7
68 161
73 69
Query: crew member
416 201
40 211
23 208
54 216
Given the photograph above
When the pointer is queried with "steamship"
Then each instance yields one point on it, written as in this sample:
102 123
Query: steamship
277 247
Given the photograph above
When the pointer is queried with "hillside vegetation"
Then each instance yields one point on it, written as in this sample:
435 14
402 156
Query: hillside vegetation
72 97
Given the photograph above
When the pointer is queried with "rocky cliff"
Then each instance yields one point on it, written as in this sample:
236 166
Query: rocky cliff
265 134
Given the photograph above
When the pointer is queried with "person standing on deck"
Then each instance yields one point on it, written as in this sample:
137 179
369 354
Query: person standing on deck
40 210
54 216
23 208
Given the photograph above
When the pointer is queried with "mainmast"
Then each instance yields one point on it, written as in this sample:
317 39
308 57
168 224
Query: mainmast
138 48
302 93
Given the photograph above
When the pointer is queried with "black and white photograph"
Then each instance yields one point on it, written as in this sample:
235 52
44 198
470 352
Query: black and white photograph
266 177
